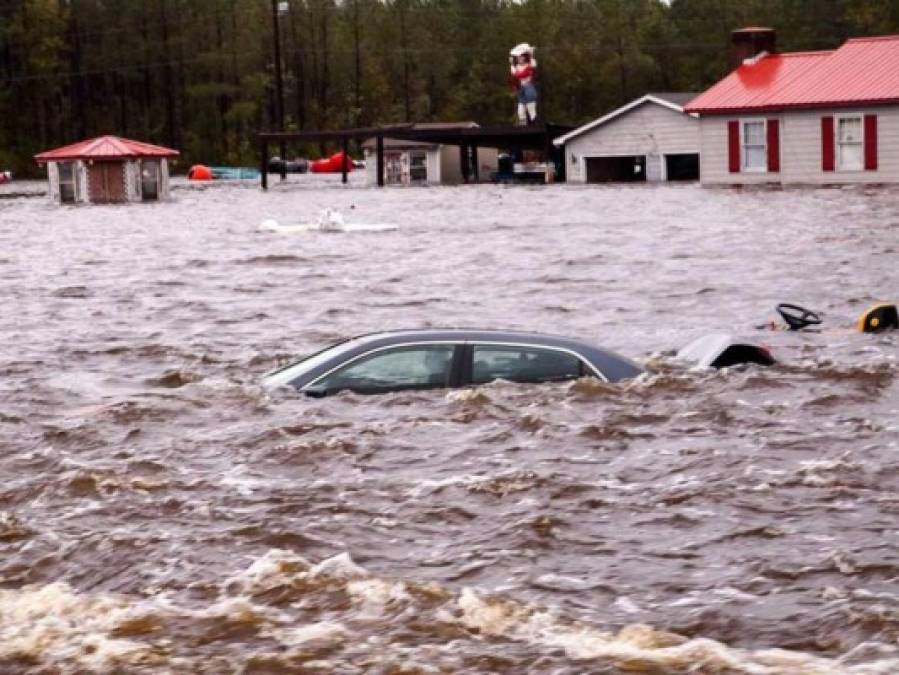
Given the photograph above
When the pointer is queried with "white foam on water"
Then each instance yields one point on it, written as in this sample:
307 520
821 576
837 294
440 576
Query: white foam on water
53 624
323 632
340 566
639 647
376 594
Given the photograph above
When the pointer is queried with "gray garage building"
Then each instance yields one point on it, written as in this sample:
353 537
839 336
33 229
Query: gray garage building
650 139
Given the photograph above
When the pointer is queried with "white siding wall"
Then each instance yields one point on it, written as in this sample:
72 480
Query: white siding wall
800 150
132 181
371 166
83 186
648 129
164 182
450 165
433 164
53 177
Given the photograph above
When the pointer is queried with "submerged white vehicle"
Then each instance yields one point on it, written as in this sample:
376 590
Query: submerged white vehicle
433 359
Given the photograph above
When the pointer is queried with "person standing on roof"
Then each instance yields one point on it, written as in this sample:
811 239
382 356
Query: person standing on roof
523 67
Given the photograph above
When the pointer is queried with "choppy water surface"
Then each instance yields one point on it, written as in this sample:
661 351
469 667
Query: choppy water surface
159 512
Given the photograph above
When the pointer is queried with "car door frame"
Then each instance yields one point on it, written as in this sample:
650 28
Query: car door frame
455 372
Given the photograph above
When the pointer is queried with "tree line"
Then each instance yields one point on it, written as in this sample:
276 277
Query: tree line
198 75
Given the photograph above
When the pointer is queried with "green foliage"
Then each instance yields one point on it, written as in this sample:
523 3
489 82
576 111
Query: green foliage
200 76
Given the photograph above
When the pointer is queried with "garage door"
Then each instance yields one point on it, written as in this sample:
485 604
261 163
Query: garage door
616 169
682 167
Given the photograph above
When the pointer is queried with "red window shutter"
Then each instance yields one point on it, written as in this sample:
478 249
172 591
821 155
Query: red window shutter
773 129
870 142
733 146
827 144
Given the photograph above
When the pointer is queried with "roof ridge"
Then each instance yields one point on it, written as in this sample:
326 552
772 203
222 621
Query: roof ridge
810 52
874 38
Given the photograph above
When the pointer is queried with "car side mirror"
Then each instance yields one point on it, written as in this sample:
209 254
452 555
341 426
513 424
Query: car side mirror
316 392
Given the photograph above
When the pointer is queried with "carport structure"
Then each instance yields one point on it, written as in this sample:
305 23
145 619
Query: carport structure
534 137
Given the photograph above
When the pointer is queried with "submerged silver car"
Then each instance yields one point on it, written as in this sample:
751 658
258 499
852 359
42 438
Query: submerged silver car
432 359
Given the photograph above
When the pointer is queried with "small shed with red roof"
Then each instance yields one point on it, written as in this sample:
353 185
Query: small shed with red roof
108 170
821 117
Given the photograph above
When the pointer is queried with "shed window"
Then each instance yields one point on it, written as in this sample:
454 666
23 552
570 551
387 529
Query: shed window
149 180
418 167
850 143
67 182
755 148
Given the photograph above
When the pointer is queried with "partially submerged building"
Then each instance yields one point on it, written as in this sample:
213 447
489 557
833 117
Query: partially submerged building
108 170
823 117
649 139
413 162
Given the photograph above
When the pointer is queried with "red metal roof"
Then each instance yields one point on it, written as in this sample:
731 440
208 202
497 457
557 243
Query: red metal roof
106 147
864 71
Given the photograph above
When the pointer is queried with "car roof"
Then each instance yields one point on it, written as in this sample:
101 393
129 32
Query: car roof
470 335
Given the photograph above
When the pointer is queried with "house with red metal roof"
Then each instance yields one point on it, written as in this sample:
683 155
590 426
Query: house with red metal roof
823 117
108 170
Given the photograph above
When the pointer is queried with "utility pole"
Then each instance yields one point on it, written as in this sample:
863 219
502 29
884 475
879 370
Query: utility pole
277 7
279 83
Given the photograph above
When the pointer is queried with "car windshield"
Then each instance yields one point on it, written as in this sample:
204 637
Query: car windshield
293 370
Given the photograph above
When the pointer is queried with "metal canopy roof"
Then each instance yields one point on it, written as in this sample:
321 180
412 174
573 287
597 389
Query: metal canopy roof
533 136
863 71
106 147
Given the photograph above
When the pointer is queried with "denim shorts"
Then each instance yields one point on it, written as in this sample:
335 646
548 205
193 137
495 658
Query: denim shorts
527 93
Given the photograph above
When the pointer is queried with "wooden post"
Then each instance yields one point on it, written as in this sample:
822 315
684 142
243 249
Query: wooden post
380 152
475 163
463 161
263 169
283 160
346 160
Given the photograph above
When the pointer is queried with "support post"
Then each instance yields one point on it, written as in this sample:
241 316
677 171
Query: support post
380 152
475 163
263 168
279 85
463 161
346 160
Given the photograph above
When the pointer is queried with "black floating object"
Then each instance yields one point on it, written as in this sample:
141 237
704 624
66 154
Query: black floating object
878 318
798 317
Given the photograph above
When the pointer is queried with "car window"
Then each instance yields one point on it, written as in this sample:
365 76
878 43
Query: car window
523 364
399 368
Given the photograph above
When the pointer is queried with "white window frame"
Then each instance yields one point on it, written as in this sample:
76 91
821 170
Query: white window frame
838 147
743 154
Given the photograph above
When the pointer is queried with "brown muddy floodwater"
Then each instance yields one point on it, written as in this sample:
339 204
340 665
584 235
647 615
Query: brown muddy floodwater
160 512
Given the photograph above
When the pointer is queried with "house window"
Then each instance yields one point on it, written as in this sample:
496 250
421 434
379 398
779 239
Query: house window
755 149
67 183
850 143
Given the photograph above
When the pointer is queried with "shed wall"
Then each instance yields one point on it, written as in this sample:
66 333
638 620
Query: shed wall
164 180
649 129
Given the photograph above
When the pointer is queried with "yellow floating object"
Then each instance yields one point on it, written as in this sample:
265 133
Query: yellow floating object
883 316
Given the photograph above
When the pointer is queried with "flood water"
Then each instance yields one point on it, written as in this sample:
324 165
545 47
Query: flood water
160 512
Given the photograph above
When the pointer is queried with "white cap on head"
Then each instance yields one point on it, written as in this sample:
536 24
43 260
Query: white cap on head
523 48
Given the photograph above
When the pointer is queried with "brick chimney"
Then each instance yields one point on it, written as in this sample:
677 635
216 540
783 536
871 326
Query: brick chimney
749 42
